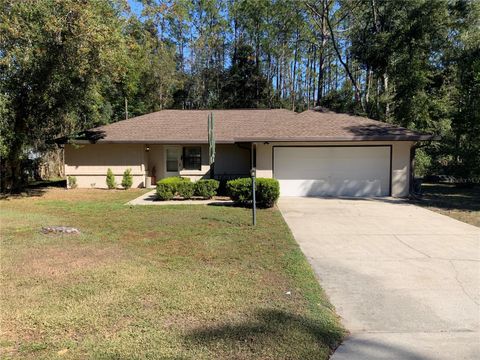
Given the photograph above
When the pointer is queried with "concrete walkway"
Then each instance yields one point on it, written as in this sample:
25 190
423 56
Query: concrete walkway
150 198
405 280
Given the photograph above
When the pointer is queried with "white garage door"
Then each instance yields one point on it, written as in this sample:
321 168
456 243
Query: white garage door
332 170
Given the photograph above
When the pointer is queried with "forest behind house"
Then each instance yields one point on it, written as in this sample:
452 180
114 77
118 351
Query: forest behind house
69 65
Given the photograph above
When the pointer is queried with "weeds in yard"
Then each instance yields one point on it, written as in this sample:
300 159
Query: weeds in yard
190 282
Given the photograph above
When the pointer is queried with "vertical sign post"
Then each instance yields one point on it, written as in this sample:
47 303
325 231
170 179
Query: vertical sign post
253 173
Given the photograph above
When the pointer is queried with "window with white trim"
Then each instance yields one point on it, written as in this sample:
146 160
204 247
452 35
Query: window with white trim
192 158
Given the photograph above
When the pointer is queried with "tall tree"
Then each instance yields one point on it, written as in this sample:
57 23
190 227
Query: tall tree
68 65
245 86
53 57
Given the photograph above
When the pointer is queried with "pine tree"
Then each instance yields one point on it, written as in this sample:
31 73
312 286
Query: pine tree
111 184
127 180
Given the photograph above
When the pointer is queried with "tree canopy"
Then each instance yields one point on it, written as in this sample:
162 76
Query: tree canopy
69 65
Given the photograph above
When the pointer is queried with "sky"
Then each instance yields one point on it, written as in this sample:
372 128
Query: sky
136 6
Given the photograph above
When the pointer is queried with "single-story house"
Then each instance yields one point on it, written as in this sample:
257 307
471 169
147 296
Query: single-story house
313 153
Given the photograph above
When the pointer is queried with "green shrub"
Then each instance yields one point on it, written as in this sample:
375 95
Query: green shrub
240 190
127 180
72 182
185 189
267 191
206 188
111 184
164 191
169 187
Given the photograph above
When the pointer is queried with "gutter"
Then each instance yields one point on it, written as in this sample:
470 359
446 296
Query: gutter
145 141
423 137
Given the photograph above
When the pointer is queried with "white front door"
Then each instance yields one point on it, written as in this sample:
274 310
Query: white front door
173 160
333 170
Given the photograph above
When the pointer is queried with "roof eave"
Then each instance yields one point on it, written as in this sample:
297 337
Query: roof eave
421 137
150 142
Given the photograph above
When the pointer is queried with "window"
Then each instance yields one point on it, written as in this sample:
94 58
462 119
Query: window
192 158
172 160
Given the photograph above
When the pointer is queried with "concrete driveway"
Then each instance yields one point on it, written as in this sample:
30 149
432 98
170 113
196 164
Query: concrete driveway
405 280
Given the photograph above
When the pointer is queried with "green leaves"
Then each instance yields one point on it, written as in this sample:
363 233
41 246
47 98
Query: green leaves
67 66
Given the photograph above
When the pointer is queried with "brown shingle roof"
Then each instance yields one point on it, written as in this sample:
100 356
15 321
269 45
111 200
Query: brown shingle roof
190 126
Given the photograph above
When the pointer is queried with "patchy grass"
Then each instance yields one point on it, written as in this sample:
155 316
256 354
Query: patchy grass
190 282
459 202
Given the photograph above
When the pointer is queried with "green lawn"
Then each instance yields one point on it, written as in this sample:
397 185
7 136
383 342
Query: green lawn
180 282
459 202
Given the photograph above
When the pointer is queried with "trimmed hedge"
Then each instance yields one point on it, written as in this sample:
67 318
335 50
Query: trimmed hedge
185 189
169 187
267 191
206 188
240 190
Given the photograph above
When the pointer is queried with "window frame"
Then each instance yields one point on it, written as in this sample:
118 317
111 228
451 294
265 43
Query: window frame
175 161
189 160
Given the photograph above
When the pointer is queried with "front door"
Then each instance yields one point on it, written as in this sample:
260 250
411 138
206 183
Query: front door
173 160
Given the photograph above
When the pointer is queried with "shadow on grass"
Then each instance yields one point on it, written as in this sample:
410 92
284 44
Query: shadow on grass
60 183
450 197
269 328
36 189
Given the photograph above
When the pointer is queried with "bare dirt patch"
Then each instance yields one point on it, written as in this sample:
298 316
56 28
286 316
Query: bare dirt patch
59 262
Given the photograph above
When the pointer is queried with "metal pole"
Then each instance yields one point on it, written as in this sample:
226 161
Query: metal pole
254 202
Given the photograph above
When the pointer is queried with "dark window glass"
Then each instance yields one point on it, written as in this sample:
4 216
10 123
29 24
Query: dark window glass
172 160
192 158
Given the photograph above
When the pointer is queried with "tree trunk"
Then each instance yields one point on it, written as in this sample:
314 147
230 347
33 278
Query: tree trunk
387 101
307 76
313 76
339 56
294 73
17 181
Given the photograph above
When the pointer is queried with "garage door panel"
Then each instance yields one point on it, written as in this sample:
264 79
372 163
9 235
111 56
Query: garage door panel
333 171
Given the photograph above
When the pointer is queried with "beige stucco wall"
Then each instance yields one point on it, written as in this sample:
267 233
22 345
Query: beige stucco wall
229 159
232 160
400 161
155 164
89 163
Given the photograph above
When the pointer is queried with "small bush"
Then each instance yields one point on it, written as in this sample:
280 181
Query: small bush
127 180
185 189
164 191
240 190
169 187
111 184
267 191
72 182
206 188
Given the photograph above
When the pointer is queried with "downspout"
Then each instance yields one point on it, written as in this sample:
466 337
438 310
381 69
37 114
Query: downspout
411 187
